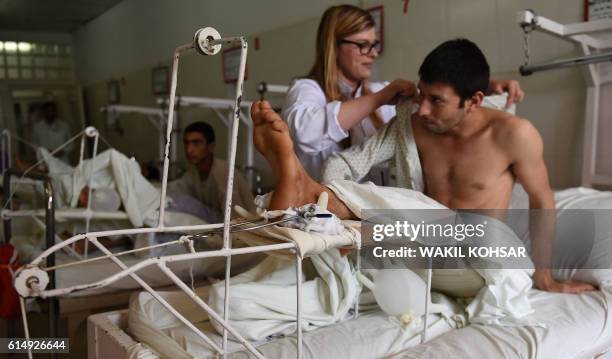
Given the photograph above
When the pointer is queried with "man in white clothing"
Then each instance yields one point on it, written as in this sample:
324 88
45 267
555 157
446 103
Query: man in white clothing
206 176
51 132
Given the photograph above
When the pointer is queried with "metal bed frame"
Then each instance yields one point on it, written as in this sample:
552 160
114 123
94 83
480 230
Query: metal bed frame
32 279
155 116
264 87
87 215
597 51
49 236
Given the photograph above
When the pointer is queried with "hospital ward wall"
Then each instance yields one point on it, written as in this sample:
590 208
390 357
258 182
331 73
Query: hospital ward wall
554 103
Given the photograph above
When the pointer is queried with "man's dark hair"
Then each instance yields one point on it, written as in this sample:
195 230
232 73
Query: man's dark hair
460 64
202 127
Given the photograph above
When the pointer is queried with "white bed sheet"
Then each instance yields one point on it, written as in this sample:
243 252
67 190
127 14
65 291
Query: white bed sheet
577 326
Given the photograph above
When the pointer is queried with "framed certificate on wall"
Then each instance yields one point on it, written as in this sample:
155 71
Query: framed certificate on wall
378 15
597 9
114 96
160 81
231 66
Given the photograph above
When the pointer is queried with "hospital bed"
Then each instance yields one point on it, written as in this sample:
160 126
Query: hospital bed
31 282
76 307
572 326
568 326
578 327
66 275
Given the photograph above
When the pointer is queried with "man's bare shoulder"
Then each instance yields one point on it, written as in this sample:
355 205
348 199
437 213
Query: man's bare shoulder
509 128
516 135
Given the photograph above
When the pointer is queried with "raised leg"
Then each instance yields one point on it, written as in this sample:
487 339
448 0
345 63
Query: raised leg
294 187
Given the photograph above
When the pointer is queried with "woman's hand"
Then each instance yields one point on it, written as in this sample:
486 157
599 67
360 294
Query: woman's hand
353 111
397 89
512 87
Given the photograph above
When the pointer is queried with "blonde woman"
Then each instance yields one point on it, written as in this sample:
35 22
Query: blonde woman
337 105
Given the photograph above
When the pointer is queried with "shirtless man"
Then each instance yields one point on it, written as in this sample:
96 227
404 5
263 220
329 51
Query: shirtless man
470 155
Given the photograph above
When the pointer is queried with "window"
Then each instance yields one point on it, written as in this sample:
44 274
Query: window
35 61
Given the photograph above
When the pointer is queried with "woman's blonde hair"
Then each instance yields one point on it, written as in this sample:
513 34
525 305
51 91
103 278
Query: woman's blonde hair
337 23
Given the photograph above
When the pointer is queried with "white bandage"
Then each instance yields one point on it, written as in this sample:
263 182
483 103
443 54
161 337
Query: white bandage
309 218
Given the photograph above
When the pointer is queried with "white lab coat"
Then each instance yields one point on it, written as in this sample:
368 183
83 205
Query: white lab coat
314 127
52 135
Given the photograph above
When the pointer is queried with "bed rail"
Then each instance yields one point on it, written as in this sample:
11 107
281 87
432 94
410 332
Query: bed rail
49 231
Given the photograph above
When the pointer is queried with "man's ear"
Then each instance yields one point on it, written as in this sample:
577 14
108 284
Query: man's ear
475 101
211 147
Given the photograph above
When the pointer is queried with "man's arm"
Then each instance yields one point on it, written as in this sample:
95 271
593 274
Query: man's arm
355 162
182 185
527 151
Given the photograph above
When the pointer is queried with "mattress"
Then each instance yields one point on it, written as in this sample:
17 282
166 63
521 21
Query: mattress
572 326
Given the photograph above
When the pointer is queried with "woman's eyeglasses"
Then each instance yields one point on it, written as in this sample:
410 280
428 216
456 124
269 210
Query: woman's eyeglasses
365 48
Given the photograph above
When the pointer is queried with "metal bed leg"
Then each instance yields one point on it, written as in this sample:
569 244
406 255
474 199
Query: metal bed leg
427 300
213 315
298 270
156 295
357 270
226 298
49 236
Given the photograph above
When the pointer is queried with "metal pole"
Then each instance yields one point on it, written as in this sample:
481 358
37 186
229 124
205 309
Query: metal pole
560 64
49 237
209 311
427 300
298 268
90 190
357 270
82 152
230 176
169 127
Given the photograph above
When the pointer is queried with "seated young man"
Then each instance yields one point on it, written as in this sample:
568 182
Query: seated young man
471 156
206 175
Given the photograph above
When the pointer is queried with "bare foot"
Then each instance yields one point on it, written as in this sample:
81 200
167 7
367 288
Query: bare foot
294 187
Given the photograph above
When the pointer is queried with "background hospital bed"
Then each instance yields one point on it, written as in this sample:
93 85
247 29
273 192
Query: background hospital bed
75 308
